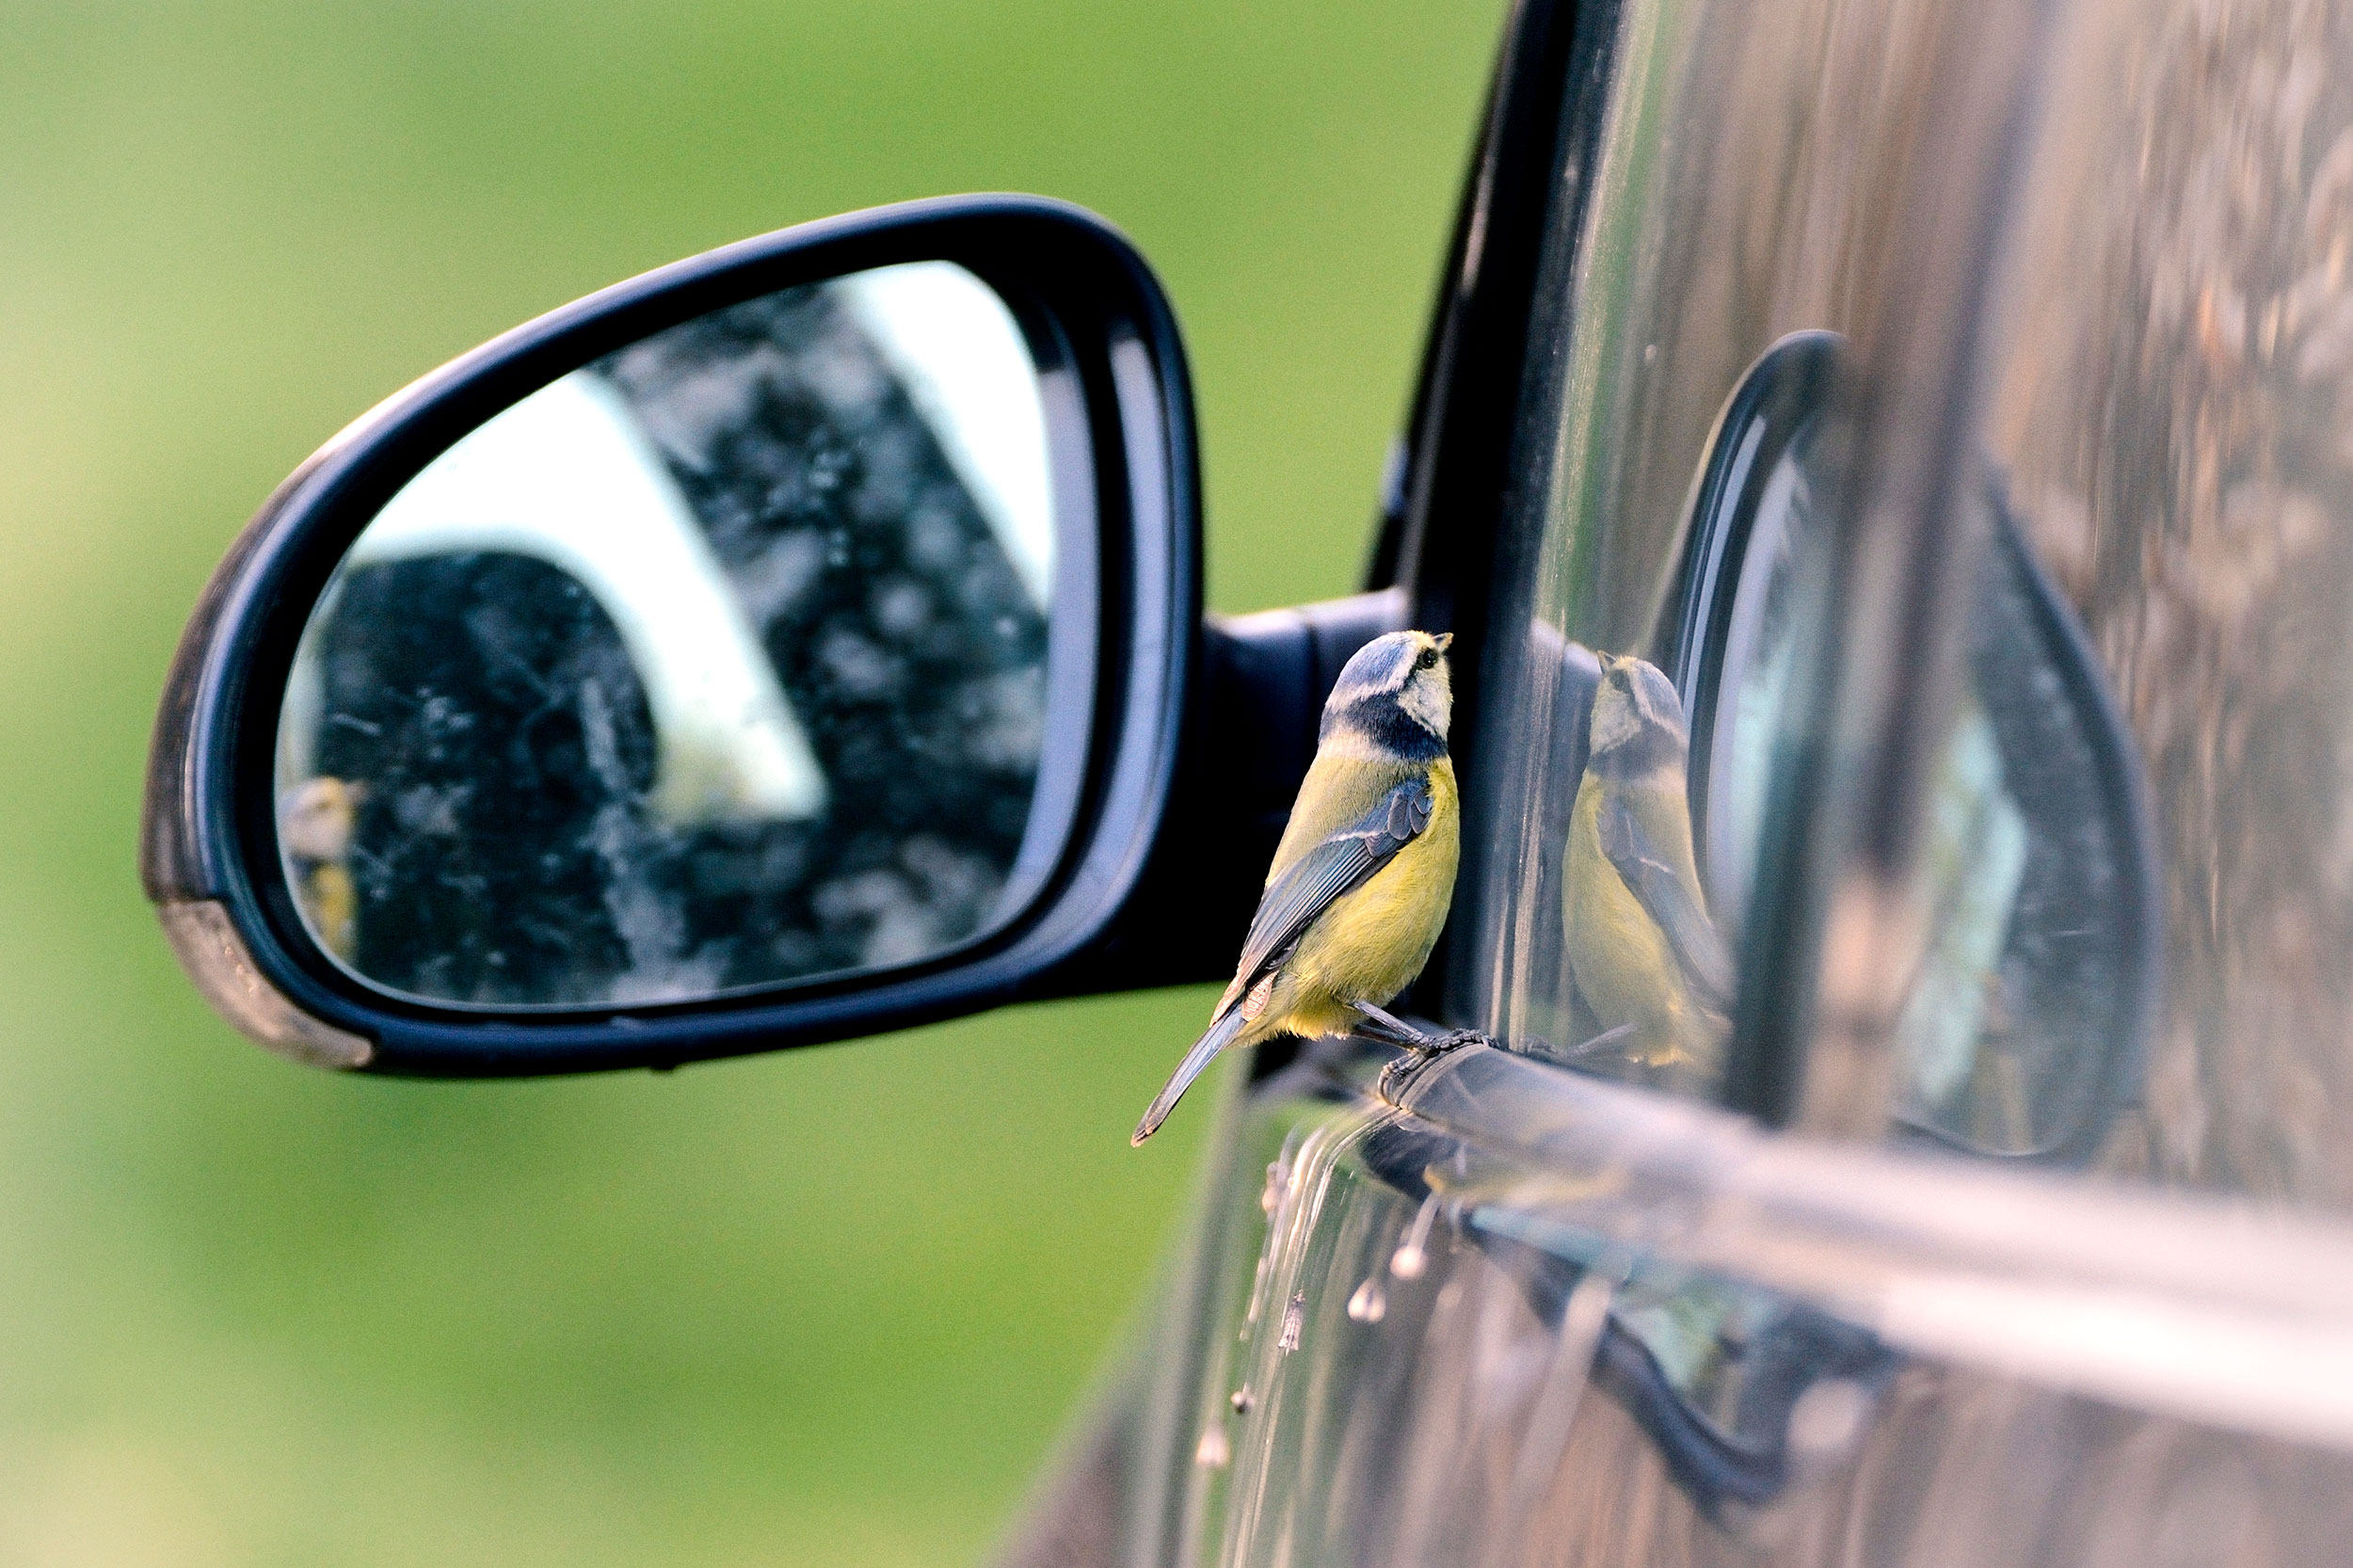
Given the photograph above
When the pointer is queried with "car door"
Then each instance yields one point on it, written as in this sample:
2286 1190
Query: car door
1886 380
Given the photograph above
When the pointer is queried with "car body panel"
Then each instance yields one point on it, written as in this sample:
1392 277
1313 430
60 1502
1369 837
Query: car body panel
1505 1313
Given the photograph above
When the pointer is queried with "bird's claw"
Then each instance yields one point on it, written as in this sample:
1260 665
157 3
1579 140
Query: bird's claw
1422 1053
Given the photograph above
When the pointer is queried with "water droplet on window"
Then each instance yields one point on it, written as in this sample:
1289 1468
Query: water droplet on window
1828 1417
1277 1183
1214 1450
1369 1305
1411 1257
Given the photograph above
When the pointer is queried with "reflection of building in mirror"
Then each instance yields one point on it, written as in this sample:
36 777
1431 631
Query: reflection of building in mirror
717 662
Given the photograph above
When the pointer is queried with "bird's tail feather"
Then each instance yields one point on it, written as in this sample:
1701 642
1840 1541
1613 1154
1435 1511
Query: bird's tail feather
1197 1060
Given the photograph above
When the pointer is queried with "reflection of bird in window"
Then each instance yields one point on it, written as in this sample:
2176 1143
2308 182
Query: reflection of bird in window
314 823
1645 956
1363 875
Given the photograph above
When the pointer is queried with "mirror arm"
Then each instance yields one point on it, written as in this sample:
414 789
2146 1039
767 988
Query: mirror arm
1250 732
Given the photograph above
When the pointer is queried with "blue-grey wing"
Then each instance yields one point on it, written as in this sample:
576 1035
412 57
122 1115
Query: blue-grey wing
1671 905
1337 865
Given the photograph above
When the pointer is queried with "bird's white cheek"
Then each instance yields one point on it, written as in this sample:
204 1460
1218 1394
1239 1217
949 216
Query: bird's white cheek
1613 724
1425 702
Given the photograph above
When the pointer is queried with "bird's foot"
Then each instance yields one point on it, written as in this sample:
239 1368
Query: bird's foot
1420 1047
1392 1031
1409 1063
1455 1039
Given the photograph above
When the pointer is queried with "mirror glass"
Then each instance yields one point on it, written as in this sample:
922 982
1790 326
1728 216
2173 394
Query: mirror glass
723 661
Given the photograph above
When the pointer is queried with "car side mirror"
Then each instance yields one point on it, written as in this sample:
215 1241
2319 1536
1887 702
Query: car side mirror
788 644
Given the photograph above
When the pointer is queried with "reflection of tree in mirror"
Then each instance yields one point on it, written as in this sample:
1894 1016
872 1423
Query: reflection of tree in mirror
508 850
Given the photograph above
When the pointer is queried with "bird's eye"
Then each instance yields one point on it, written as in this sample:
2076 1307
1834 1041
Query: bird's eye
1429 660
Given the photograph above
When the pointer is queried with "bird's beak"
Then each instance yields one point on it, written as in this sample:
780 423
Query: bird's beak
1445 640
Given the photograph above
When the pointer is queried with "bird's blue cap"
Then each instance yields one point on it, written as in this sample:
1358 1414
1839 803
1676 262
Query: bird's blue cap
1381 665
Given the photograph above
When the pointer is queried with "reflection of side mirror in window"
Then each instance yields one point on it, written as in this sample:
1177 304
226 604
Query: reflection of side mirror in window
2026 1025
2022 1032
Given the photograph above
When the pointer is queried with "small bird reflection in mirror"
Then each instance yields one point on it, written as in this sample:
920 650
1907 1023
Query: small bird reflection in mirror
315 820
1363 877
1645 956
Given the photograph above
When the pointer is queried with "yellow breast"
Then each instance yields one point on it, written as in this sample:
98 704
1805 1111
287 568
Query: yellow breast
1621 961
1371 942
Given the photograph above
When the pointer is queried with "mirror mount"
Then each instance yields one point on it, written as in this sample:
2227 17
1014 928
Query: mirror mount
1251 732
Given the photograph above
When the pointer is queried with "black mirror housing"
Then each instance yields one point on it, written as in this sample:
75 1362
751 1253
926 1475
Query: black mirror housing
1120 430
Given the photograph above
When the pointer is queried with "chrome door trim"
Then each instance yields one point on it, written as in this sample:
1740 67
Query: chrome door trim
2211 1310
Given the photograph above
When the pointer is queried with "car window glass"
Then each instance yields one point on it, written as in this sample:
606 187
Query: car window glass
2124 935
1690 257
2170 376
1707 401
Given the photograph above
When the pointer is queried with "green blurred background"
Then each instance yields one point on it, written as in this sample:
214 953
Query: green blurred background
826 1308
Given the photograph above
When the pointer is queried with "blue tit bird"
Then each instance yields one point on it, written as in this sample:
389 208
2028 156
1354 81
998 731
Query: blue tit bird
1645 956
315 821
1363 877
